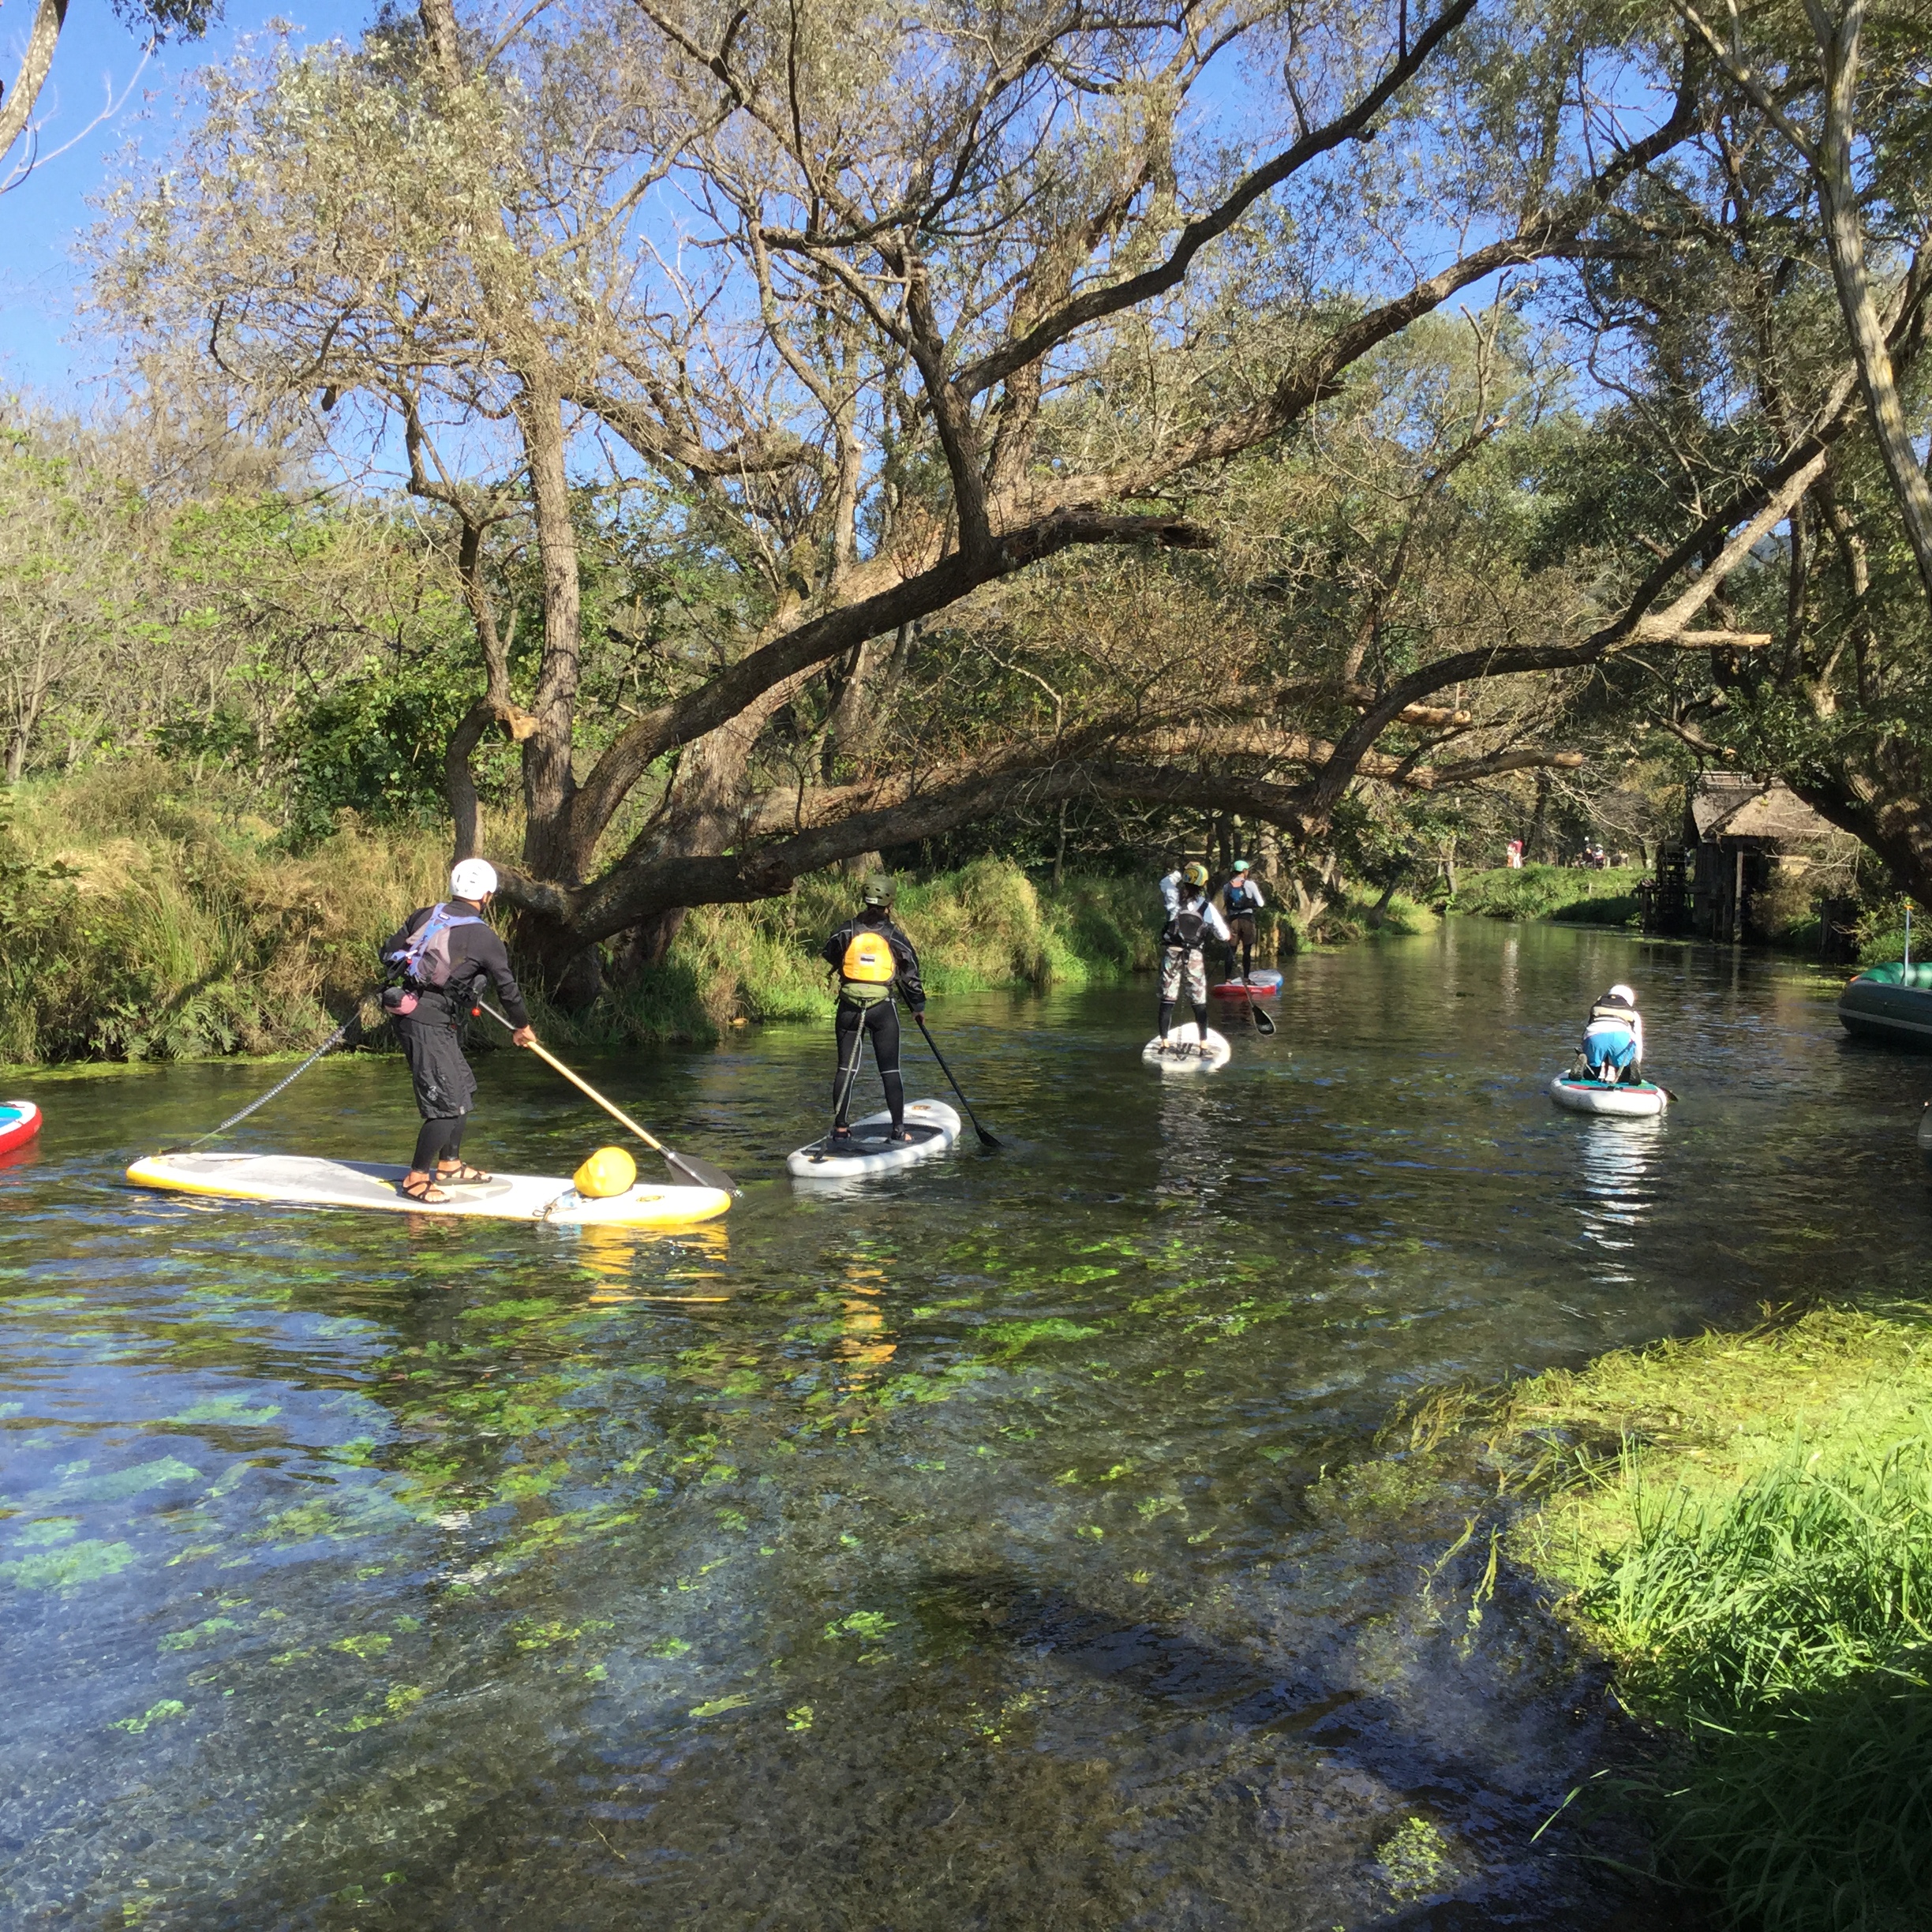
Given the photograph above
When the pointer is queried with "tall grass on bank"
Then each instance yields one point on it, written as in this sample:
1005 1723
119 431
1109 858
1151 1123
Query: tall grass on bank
1784 1627
985 925
139 923
1743 1524
1572 894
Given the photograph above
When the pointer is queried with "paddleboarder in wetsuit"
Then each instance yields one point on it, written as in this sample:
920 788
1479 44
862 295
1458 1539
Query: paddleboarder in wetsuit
868 954
436 960
1183 938
1240 899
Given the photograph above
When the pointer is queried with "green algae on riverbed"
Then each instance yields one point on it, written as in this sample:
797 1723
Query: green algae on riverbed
982 1547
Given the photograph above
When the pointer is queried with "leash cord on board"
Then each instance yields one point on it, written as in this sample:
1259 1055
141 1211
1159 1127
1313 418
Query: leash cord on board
334 1039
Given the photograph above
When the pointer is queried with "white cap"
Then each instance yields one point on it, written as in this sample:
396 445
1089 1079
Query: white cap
473 878
1627 994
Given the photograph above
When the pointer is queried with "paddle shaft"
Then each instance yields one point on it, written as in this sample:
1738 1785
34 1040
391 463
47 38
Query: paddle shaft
582 1086
985 1140
703 1173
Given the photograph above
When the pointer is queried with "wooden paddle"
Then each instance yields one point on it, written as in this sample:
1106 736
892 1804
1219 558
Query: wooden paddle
699 1173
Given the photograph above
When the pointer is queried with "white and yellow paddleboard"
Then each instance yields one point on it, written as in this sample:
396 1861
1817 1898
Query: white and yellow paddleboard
299 1181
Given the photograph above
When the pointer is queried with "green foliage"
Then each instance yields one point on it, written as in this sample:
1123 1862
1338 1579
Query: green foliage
374 745
1570 893
985 925
139 923
1756 1555
1786 1627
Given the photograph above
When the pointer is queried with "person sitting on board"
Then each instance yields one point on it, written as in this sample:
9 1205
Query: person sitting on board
1240 899
1613 1038
1183 940
435 961
870 954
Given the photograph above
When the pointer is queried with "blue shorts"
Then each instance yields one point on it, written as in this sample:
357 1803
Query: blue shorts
1609 1047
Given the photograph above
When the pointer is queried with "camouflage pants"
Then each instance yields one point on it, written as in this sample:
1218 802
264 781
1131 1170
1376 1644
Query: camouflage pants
1177 962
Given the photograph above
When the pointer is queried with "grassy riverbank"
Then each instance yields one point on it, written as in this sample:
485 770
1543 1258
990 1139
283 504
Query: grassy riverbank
140 920
1743 1524
1567 893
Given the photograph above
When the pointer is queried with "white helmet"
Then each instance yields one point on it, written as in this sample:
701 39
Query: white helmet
1627 994
473 878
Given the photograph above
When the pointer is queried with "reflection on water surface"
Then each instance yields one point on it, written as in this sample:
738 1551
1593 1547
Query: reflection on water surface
981 1546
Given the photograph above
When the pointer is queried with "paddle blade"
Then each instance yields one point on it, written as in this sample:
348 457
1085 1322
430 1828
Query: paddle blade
1265 1023
695 1172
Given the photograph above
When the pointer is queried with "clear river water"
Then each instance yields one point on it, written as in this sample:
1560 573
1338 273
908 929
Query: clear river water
982 1547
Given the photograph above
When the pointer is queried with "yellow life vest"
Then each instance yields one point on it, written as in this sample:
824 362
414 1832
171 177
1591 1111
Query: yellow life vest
866 973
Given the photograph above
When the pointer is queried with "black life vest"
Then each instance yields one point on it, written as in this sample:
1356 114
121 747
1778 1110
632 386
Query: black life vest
1235 898
1615 1012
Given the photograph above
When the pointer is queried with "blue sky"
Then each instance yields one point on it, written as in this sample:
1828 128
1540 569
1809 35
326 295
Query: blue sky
41 347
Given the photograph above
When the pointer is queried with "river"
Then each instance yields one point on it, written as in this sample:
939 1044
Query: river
979 1548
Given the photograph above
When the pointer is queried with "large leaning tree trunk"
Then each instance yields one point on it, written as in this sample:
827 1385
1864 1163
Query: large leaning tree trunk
883 313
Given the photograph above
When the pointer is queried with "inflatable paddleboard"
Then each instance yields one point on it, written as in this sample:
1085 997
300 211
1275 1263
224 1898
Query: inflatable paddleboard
1266 984
19 1120
1187 1037
291 1180
1642 1101
932 1124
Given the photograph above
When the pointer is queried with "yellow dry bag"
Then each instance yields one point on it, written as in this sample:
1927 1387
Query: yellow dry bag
607 1174
865 972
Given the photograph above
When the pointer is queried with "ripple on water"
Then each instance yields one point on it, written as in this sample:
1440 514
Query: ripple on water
992 1546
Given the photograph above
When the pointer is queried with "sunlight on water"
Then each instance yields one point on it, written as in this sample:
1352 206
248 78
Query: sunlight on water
979 1546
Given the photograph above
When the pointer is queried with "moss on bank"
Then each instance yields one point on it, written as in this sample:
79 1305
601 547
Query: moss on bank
137 922
1569 893
1743 1524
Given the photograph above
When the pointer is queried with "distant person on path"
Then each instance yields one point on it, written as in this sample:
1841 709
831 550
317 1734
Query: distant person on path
1613 1038
1240 899
434 963
1183 939
868 954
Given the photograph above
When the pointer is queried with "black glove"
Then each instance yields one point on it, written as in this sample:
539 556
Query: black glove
918 1009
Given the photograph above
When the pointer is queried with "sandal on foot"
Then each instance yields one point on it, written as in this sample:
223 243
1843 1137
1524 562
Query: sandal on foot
425 1191
462 1176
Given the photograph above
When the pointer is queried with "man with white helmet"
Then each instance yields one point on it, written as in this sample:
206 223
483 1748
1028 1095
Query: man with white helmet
1613 1037
434 963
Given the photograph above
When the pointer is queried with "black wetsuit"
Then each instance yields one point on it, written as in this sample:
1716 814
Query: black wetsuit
878 1017
432 1034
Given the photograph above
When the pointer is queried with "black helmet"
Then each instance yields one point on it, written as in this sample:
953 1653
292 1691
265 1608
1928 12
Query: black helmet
879 890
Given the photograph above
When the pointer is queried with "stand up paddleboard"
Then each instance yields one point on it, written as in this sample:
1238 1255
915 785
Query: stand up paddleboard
1642 1102
1183 1054
291 1180
1267 984
932 1124
19 1120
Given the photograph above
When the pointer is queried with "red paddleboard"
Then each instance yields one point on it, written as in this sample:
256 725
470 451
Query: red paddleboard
19 1120
1267 984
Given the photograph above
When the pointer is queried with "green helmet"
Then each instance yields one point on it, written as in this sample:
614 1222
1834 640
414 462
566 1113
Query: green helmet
1241 865
1195 874
879 890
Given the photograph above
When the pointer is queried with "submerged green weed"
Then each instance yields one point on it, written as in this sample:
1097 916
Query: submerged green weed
1415 1860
